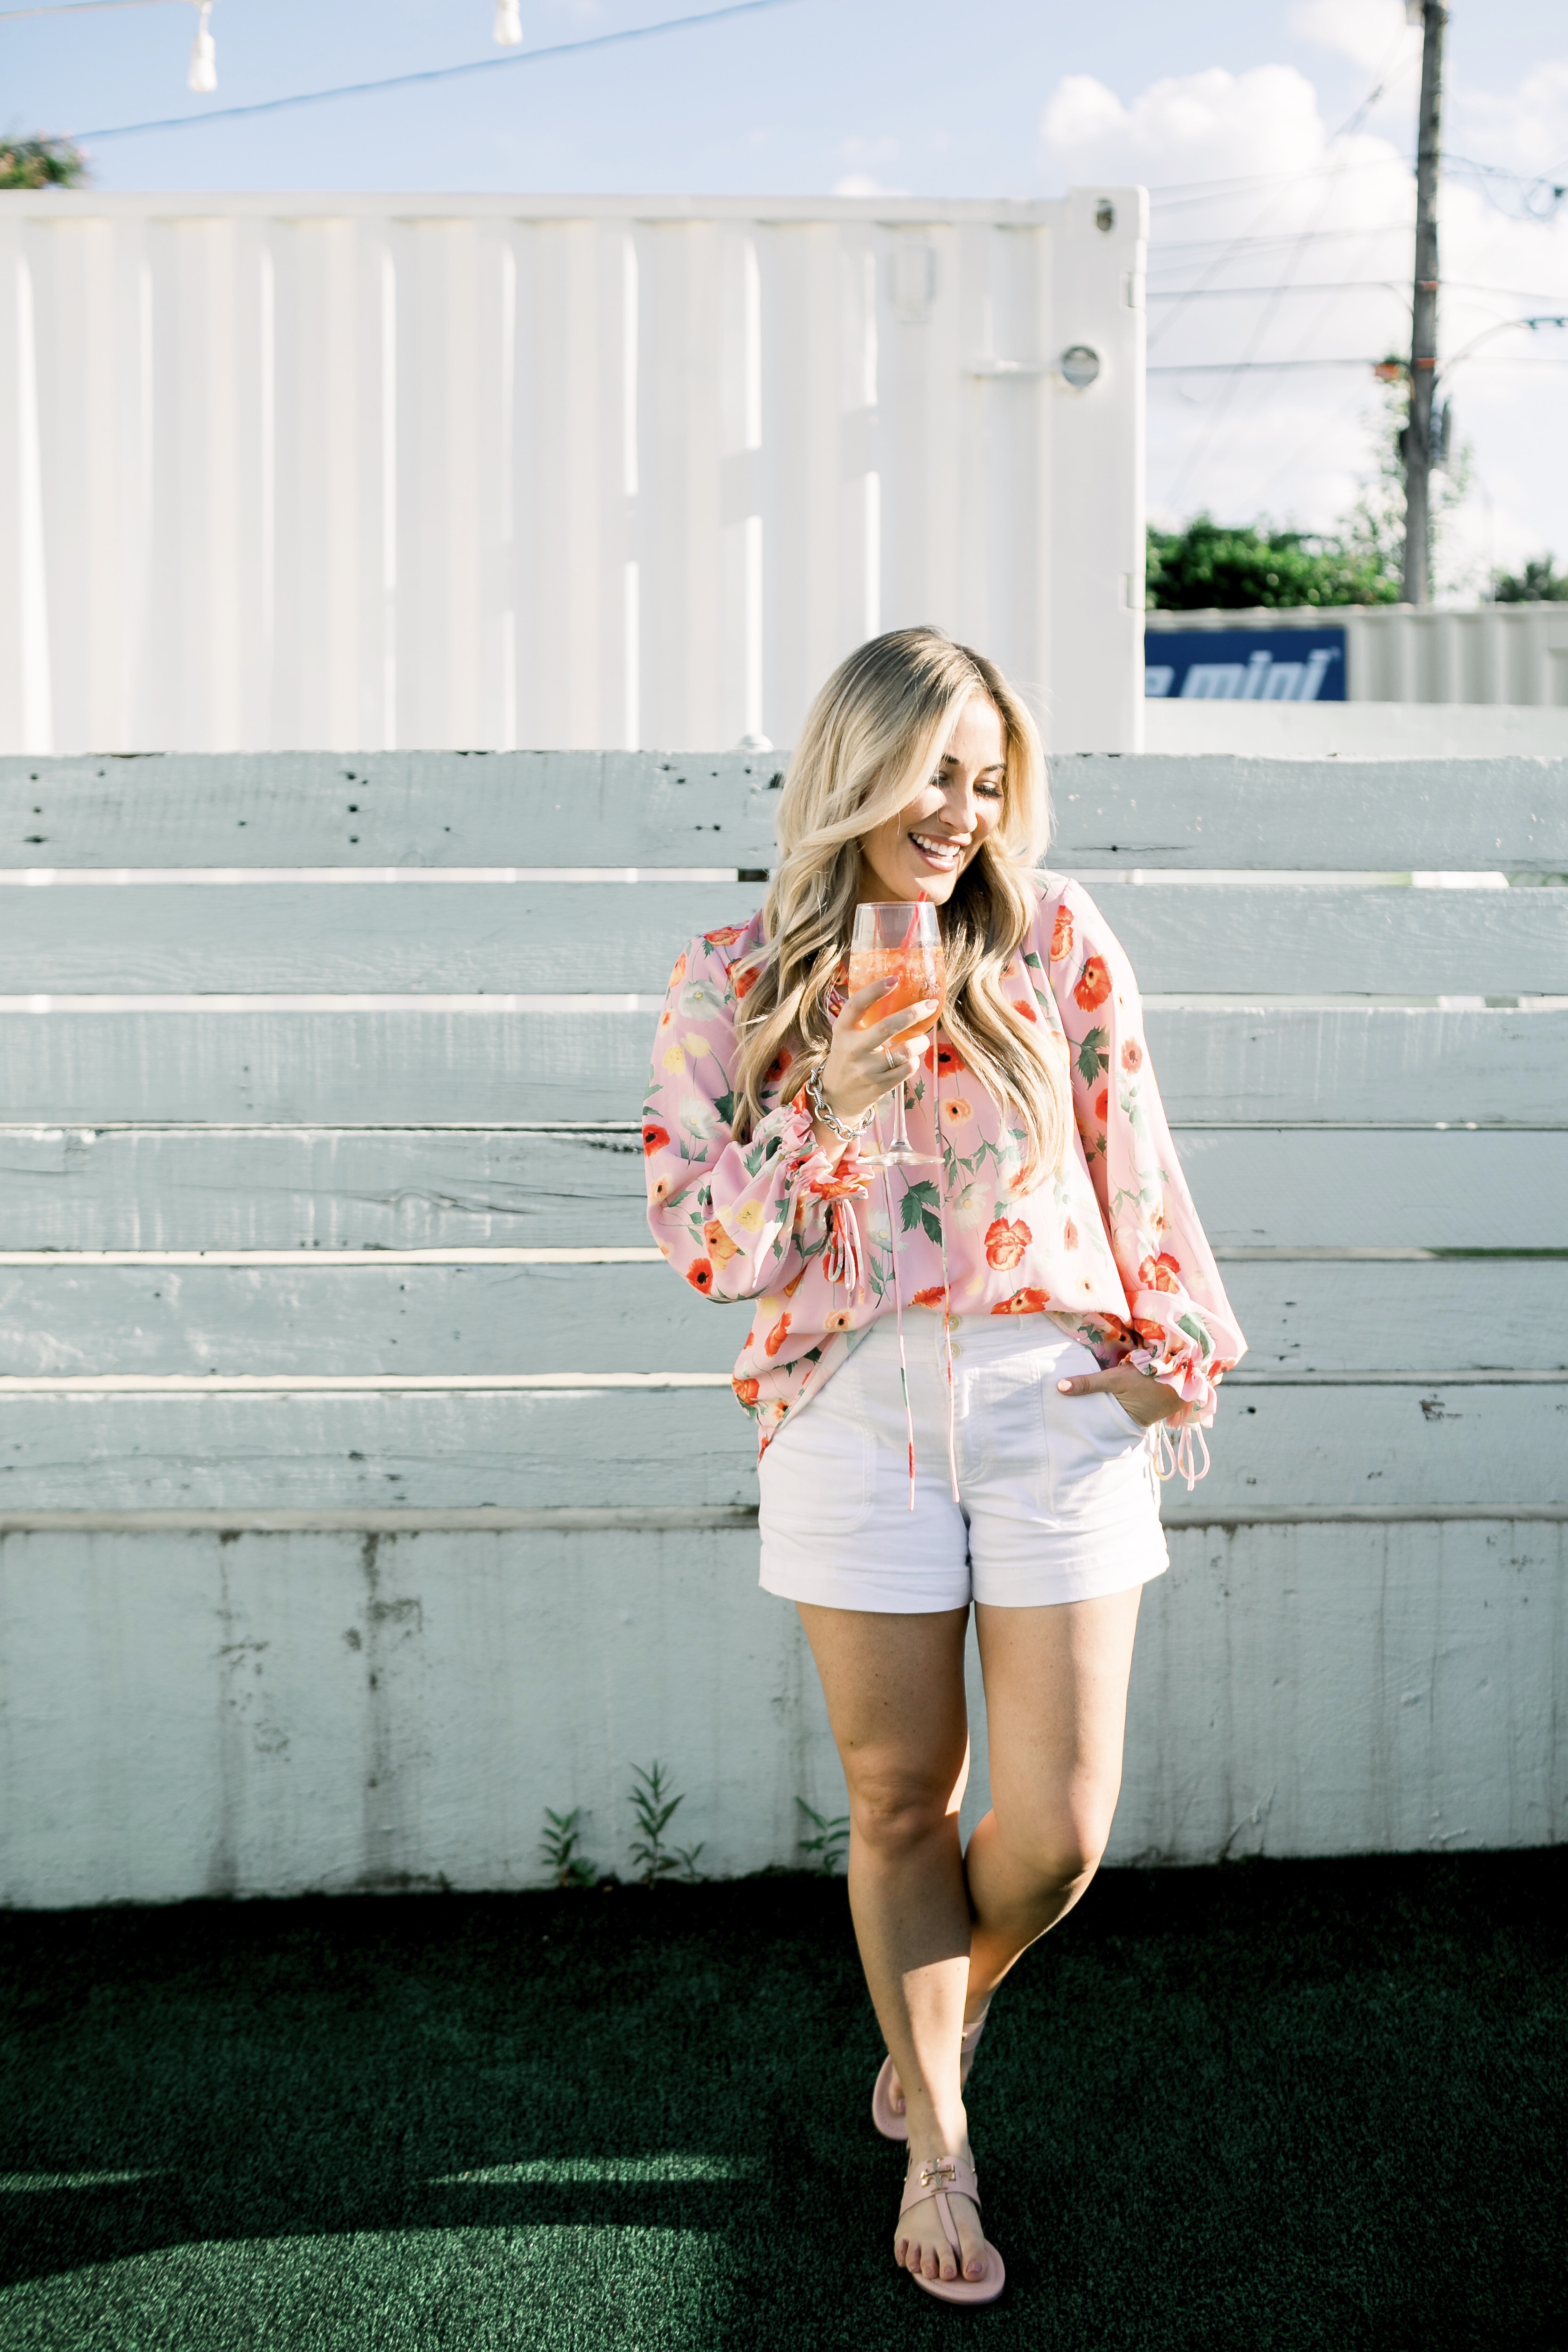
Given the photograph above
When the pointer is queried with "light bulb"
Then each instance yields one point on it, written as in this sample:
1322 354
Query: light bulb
508 25
203 75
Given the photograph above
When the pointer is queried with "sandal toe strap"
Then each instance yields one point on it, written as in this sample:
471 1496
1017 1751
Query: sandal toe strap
938 2178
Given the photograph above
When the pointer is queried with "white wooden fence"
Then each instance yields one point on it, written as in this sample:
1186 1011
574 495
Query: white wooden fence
375 472
331 1551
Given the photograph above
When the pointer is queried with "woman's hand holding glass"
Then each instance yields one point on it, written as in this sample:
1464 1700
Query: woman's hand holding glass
863 1063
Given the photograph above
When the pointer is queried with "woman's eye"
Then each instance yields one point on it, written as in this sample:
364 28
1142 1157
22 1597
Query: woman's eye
988 792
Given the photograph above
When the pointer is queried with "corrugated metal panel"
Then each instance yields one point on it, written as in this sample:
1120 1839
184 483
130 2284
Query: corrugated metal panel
1515 654
378 472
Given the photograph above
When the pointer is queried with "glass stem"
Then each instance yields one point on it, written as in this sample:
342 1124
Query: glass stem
900 1141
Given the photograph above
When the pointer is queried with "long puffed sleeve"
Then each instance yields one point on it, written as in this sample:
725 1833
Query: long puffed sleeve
736 1219
1186 1333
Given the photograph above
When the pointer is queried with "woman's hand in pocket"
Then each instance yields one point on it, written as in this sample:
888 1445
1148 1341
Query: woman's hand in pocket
1146 1400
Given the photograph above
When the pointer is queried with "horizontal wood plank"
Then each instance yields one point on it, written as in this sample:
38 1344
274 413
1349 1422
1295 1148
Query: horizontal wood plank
1218 811
518 937
316 1318
541 808
1371 1188
375 1188
1302 938
1500 1445
390 808
1339 1066
445 937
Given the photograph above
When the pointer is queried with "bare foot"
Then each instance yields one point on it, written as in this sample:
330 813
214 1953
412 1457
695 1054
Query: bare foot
921 2243
896 2089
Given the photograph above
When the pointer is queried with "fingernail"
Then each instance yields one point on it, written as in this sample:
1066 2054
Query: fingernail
1066 1387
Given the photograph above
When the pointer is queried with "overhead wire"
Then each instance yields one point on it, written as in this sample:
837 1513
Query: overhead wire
86 7
439 73
1387 73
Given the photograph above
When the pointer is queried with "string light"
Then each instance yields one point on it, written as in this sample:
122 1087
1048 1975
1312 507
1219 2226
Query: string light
508 25
203 75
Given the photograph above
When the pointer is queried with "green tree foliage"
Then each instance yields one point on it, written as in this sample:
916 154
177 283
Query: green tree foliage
1209 564
1539 583
42 163
1359 563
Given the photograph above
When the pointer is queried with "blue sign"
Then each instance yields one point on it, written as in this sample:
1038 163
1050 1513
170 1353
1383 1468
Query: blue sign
1244 665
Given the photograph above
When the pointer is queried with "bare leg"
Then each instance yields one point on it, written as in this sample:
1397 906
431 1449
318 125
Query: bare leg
894 1687
1055 1705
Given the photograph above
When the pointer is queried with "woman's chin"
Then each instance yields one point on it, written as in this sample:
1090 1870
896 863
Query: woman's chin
937 885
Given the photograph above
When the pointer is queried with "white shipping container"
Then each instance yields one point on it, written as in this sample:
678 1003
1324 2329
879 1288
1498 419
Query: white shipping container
379 471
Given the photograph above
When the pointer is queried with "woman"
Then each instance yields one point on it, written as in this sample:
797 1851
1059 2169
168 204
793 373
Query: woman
962 1374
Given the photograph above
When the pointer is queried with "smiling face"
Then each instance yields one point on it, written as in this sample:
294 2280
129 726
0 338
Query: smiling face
926 847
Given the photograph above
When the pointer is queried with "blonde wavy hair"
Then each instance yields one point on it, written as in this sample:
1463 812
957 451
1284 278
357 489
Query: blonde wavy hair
873 737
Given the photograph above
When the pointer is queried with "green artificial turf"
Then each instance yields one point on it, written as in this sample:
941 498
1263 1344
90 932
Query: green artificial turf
1278 2105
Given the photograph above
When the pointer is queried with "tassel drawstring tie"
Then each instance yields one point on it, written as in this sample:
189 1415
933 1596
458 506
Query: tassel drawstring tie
1181 1459
841 1259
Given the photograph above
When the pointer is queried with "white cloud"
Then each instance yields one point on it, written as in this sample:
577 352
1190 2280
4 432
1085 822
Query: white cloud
864 184
1526 128
1250 193
1194 126
1367 31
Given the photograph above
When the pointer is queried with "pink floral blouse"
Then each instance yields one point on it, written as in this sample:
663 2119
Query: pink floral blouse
1111 1250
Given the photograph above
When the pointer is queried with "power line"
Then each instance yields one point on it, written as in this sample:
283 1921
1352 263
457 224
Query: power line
84 7
1241 367
1285 237
1218 189
1313 286
1344 286
1385 74
1238 367
437 73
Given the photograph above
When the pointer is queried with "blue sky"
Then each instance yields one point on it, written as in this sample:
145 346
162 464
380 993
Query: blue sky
991 97
945 100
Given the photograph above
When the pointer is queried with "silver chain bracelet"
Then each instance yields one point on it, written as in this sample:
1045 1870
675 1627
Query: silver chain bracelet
830 1118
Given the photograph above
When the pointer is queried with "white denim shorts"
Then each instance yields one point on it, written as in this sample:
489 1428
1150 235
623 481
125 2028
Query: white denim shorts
1058 1497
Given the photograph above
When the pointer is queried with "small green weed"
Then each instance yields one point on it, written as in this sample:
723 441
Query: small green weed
829 1840
558 1848
654 1808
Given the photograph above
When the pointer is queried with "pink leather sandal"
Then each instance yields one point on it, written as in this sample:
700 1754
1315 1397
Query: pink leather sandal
884 2115
949 2174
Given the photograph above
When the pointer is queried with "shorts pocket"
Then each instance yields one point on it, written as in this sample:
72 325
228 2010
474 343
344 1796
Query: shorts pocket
818 1478
1128 1421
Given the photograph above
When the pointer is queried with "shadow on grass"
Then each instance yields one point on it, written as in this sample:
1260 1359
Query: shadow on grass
1278 2106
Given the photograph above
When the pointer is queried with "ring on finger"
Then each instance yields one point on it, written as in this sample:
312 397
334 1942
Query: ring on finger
888 1054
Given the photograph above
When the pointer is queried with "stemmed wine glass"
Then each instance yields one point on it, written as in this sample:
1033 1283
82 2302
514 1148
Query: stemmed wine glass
899 940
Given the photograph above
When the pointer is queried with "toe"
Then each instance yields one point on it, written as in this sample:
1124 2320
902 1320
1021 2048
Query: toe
971 2239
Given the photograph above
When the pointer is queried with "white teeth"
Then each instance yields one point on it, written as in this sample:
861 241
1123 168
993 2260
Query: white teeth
945 850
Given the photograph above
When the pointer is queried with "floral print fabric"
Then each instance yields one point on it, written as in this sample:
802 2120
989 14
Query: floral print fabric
1111 1250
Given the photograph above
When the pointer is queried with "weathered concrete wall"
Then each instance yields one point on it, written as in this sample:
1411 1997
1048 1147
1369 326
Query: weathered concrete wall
271 1714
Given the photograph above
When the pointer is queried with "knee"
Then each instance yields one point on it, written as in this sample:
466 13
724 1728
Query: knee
1060 1855
894 1813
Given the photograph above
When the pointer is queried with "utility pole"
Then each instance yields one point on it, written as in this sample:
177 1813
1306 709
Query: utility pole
1418 583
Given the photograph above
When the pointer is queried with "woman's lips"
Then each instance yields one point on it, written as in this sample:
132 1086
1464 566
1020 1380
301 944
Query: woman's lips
944 859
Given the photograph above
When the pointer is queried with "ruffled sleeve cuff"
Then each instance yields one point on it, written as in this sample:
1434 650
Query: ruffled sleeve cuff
787 1134
1180 1449
1181 1368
